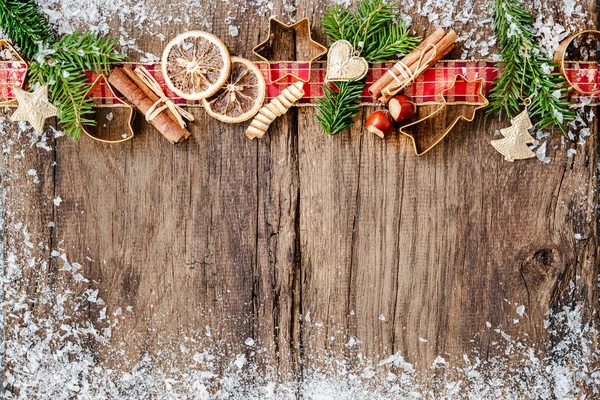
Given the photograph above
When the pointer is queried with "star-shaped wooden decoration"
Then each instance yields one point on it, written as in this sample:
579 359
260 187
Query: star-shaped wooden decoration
34 107
429 131
290 43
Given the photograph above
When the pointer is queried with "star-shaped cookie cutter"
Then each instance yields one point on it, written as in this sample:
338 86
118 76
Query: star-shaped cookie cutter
421 149
306 50
11 72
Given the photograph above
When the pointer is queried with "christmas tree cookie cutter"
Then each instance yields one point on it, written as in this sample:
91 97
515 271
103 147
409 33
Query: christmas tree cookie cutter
12 73
419 131
104 97
304 50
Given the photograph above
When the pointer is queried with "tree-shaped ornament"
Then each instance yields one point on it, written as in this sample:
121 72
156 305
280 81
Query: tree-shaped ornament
514 145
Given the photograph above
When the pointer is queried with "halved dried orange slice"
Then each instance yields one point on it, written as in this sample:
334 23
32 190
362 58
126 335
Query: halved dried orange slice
241 97
195 65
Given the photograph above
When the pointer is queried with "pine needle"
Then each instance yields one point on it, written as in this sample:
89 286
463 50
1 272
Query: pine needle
25 25
376 30
337 109
63 70
61 64
526 72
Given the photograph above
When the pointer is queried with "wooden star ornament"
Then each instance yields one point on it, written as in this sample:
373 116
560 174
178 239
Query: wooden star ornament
34 107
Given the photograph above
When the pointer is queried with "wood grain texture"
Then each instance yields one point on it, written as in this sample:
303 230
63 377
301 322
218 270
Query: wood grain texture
302 241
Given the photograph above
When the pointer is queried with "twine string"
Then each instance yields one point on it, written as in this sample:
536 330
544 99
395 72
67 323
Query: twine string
406 77
156 108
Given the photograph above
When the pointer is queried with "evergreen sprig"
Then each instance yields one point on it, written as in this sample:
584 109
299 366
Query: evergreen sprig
376 30
22 21
526 72
63 68
60 64
341 106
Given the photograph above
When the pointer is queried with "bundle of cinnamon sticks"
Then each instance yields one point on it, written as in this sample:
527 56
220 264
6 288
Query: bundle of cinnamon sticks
431 50
126 81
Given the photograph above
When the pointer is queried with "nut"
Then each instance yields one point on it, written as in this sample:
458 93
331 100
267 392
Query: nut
380 123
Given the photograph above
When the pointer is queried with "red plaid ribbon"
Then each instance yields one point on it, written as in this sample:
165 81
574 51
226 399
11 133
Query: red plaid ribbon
425 90
12 74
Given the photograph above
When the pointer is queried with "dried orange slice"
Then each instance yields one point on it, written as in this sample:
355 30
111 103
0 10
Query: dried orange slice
241 97
195 65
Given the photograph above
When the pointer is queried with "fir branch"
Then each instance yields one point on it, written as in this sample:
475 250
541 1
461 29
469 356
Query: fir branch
85 51
63 69
377 32
526 72
25 25
336 22
337 109
371 17
391 41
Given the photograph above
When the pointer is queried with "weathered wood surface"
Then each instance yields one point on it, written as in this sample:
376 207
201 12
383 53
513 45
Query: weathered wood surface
302 241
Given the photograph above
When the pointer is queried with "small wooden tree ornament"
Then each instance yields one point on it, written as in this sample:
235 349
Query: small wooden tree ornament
516 138
276 108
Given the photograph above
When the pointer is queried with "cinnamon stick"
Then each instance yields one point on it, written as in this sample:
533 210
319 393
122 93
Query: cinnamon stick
412 57
443 43
132 87
442 48
147 91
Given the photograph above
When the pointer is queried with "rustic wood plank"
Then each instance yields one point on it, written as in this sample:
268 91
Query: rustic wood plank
397 248
27 181
191 236
303 241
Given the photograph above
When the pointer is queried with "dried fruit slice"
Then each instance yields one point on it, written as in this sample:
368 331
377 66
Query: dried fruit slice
195 65
241 97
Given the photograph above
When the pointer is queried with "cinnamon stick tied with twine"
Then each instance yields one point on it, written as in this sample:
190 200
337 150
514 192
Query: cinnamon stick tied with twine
145 93
406 71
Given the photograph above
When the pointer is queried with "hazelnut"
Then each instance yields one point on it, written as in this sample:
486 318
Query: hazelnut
380 123
402 108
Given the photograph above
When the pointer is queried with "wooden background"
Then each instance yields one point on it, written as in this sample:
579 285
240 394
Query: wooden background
302 241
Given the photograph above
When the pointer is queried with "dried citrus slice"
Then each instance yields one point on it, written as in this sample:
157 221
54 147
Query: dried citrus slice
195 65
241 97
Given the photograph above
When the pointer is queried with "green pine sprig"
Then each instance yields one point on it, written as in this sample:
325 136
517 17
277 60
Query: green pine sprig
376 30
25 25
337 109
526 72
62 68
60 64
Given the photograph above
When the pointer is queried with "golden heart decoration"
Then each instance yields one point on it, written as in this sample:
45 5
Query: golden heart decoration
343 64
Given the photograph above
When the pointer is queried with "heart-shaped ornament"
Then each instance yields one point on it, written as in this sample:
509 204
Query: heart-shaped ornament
343 65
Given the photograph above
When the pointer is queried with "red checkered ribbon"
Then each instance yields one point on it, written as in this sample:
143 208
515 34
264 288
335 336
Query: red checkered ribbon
425 90
12 74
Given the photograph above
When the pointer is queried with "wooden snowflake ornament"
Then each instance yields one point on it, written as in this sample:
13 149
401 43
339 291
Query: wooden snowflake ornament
516 138
34 107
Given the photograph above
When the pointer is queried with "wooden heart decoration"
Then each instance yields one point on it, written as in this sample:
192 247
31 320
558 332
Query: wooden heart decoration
343 65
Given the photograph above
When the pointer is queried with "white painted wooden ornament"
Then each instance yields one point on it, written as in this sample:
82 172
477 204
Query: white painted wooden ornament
343 63
276 108
516 138
34 108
